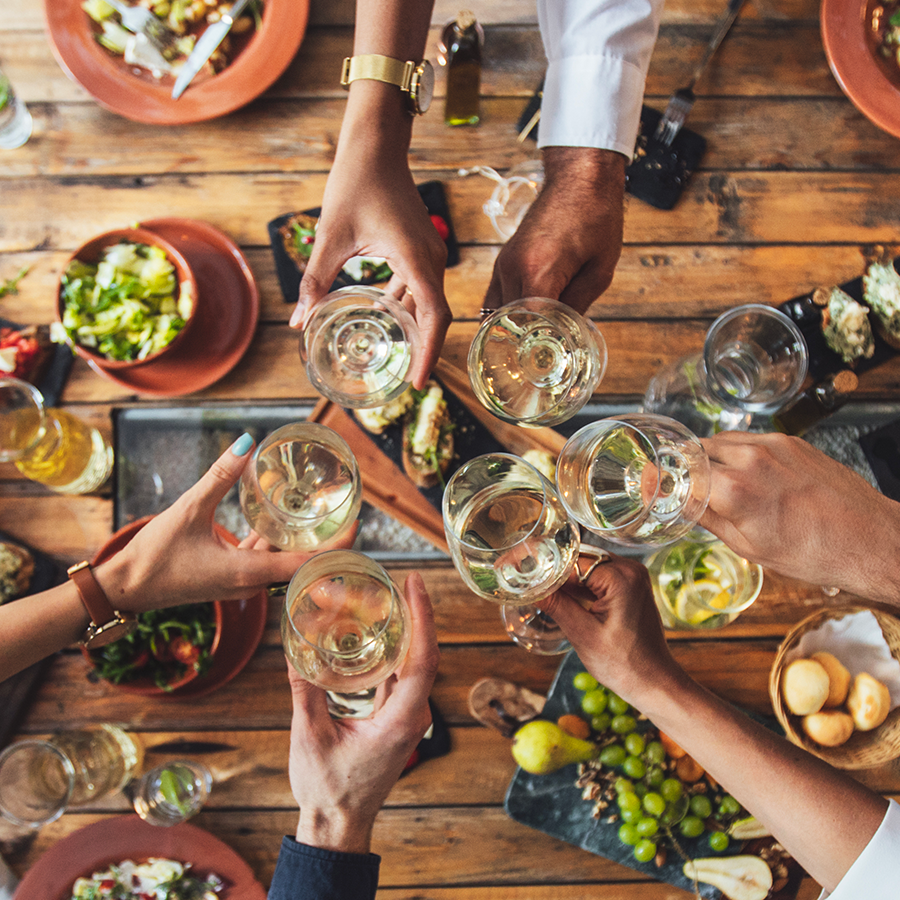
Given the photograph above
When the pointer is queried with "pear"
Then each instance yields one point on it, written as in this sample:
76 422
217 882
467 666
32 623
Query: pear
748 829
541 747
737 877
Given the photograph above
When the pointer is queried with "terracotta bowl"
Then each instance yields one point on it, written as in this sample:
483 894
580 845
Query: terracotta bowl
146 685
92 251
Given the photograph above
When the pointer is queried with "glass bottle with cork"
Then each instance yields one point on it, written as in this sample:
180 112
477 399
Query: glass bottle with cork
462 40
816 403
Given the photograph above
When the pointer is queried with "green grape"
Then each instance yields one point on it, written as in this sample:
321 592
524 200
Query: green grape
655 776
671 789
653 804
628 834
647 827
718 840
601 722
640 788
594 702
622 724
676 811
729 806
691 826
644 850
700 806
629 800
613 755
584 681
632 816
655 753
623 785
618 706
634 767
634 743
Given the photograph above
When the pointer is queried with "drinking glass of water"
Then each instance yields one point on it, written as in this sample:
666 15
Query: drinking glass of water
171 793
15 120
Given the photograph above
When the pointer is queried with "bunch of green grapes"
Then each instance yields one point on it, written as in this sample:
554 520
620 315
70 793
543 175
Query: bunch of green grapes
652 802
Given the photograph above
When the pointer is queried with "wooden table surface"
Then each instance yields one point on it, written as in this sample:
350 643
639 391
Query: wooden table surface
794 185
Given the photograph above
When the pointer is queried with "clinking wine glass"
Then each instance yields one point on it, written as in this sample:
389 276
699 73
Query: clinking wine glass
301 489
636 480
345 628
359 347
536 361
754 361
512 542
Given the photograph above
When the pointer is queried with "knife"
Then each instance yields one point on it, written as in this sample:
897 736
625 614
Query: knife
206 46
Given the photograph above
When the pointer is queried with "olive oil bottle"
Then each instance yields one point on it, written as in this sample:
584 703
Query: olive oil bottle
462 39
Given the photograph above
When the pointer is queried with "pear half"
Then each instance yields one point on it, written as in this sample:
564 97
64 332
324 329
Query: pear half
737 877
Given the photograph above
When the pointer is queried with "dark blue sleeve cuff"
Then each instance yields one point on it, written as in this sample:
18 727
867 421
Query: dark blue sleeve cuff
310 873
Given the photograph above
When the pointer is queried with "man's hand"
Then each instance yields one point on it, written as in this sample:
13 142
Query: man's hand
569 242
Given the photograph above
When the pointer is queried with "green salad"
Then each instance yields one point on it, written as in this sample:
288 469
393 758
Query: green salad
126 307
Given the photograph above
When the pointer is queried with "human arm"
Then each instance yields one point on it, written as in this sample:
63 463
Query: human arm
177 557
371 206
782 503
820 815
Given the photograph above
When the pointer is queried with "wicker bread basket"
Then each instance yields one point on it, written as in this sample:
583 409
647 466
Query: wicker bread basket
864 749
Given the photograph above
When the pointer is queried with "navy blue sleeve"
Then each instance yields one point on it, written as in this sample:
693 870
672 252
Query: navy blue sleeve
310 873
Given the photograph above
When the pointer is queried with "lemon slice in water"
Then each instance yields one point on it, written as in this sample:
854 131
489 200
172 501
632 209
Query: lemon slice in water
688 610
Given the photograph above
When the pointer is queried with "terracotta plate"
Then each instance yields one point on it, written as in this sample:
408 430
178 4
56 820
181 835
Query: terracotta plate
227 311
116 87
95 846
852 60
243 624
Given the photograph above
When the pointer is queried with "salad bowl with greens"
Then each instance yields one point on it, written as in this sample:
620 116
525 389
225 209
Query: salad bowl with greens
126 297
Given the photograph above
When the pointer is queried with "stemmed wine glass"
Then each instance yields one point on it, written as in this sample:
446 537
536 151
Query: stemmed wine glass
359 347
536 361
512 541
754 361
636 480
345 628
301 489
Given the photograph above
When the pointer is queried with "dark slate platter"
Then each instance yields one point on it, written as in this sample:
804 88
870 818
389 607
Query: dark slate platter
552 804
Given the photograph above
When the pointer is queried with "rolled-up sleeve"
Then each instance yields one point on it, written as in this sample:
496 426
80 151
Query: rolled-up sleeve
598 53
310 873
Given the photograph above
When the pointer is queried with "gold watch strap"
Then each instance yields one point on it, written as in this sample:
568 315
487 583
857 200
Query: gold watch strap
373 67
95 601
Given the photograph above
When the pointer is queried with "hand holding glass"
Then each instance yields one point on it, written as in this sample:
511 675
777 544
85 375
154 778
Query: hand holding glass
536 361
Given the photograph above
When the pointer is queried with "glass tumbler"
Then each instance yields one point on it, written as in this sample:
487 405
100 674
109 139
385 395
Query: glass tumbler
536 361
301 489
171 793
359 347
15 121
636 480
50 446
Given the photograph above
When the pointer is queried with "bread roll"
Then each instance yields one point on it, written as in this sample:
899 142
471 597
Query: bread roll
805 686
838 678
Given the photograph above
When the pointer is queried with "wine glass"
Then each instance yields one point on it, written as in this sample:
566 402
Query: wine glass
536 361
512 542
754 361
636 480
359 347
301 489
345 628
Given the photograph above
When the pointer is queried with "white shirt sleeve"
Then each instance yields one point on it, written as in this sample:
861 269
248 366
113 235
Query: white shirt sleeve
598 53
876 873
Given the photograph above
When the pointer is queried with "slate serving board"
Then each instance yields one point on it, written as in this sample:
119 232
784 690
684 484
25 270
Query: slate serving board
553 804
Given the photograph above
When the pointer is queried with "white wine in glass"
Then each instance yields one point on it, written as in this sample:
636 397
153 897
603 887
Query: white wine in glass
635 480
301 489
345 628
359 346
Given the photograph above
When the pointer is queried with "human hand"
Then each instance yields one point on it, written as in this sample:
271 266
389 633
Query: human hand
372 208
342 770
784 504
569 242
612 622
179 557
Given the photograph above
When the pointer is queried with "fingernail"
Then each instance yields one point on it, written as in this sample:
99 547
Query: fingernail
297 315
242 445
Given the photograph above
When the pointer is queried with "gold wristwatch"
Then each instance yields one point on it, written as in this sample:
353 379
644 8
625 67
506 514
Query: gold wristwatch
107 624
415 80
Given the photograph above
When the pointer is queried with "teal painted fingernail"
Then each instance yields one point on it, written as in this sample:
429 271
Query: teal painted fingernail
242 444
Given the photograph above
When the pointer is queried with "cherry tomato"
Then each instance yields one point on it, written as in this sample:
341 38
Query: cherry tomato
184 651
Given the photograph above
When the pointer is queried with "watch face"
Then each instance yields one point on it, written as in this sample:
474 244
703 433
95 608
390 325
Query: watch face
422 87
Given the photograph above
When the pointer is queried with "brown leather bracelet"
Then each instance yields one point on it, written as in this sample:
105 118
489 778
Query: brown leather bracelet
107 624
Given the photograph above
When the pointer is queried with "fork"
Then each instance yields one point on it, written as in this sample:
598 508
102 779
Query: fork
682 101
140 20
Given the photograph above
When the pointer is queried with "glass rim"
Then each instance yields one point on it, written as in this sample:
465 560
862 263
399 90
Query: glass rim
349 459
483 460
39 402
68 769
376 570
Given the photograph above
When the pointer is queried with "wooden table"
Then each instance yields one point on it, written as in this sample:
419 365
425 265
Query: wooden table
795 182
